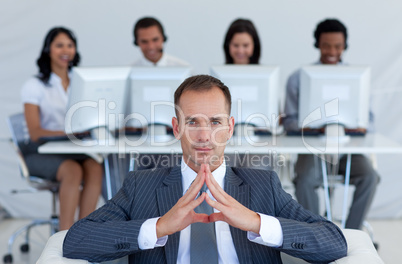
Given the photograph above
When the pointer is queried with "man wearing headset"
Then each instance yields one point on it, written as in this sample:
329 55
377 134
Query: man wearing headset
149 36
330 38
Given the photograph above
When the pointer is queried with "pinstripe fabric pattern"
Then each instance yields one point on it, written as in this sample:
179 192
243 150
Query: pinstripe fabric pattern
112 231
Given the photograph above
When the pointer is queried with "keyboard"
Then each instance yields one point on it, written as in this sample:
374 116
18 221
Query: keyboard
310 132
320 132
81 135
130 131
133 131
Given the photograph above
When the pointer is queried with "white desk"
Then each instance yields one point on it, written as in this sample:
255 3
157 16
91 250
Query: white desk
369 144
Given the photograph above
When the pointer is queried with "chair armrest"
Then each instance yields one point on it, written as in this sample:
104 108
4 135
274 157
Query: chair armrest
360 248
53 251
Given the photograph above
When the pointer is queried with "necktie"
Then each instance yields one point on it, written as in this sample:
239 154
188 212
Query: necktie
203 247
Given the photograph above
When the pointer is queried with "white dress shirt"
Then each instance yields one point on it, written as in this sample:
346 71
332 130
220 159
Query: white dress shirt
165 60
51 99
270 230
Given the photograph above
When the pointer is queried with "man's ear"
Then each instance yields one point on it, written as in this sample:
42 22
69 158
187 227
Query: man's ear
176 128
231 126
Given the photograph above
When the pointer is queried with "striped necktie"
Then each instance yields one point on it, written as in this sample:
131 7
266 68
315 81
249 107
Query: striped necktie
203 247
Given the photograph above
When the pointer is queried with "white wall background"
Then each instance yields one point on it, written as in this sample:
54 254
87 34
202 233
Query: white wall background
195 32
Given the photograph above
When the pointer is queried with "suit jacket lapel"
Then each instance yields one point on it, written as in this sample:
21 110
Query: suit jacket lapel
234 187
167 197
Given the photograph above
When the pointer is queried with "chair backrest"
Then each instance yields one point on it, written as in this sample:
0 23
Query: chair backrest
18 129
20 140
20 137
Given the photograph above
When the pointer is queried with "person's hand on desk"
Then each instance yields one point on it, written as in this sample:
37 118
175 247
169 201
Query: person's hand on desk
81 135
355 131
313 130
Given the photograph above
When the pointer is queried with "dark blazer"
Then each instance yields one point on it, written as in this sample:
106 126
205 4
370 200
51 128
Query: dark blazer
111 231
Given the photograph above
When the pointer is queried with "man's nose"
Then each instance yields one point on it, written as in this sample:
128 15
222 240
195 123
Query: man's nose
204 133
333 51
151 45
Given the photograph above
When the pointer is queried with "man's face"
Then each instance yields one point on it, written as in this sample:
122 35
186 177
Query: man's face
203 125
331 45
150 41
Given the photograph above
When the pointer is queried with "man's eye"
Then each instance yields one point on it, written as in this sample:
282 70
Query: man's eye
191 123
215 123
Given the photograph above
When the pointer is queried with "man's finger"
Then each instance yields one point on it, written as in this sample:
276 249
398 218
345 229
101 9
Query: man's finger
217 192
194 188
194 203
216 217
201 218
215 183
214 204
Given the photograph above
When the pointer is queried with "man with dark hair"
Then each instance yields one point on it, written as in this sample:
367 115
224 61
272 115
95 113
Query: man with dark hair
331 39
202 211
149 36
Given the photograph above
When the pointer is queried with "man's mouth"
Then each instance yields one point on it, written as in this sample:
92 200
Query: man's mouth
152 53
203 149
332 59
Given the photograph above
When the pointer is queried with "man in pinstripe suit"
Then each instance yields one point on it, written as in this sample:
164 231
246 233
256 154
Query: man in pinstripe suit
150 218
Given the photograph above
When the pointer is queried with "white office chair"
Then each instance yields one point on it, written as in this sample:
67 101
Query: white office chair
20 138
360 250
334 180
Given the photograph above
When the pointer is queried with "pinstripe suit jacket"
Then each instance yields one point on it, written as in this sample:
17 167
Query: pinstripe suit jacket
112 231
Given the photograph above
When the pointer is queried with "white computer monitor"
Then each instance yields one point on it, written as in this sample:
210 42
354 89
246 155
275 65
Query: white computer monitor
334 94
96 98
254 90
152 94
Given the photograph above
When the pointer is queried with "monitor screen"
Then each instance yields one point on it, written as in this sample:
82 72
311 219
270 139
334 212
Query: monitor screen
96 98
334 94
151 94
254 90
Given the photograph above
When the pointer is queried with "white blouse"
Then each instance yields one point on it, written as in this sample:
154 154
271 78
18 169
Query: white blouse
51 99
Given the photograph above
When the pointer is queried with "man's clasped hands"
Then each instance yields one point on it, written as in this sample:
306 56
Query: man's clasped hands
182 214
